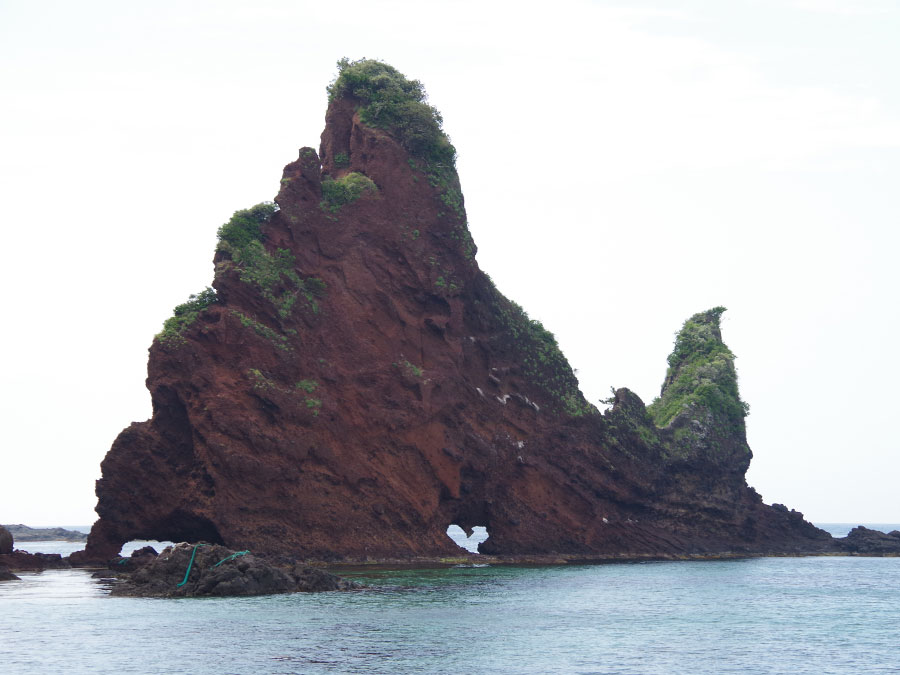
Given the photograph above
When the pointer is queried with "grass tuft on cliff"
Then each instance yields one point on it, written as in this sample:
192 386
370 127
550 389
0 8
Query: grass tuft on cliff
701 375
540 358
344 190
390 101
387 100
184 315
245 226
236 236
272 273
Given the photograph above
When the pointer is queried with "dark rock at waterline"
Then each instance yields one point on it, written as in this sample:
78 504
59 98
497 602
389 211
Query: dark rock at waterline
315 580
6 575
84 559
6 541
23 560
872 542
138 558
217 571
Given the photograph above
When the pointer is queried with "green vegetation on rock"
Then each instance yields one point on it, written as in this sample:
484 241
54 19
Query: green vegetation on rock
273 273
264 384
387 100
245 226
344 190
309 386
701 375
391 102
542 361
314 405
412 369
259 380
277 339
184 315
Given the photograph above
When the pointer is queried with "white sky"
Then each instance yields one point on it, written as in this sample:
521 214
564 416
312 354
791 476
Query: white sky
625 165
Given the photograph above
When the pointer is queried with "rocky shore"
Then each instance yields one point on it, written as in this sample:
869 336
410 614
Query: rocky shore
183 570
209 570
863 541
13 560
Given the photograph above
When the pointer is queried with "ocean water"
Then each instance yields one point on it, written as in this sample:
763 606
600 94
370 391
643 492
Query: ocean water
761 615
770 615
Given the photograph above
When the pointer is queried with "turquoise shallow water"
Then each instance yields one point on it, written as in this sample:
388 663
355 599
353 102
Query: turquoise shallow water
767 615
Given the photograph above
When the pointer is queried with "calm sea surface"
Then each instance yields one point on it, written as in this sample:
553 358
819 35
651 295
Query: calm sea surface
766 615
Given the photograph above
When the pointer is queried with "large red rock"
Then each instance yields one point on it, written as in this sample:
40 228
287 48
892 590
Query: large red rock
409 395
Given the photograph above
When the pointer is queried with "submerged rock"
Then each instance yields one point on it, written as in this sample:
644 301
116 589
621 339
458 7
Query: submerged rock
189 570
6 575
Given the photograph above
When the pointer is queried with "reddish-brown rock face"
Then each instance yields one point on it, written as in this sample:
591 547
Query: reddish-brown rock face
358 418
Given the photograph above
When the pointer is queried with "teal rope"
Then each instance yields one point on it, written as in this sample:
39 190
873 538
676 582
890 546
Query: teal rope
190 564
231 557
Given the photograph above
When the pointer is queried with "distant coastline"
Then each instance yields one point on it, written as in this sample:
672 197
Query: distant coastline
24 533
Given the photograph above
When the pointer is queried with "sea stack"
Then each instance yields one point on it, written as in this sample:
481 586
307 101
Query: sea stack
6 541
353 383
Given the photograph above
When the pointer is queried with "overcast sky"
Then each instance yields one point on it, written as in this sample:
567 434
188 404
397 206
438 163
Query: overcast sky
625 165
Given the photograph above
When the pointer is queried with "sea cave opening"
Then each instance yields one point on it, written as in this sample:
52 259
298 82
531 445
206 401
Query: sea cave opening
470 542
181 525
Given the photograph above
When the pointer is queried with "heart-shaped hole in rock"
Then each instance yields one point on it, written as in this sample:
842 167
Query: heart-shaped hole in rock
470 543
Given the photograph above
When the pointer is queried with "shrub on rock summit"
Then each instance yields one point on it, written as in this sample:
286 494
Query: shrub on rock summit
701 374
390 101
